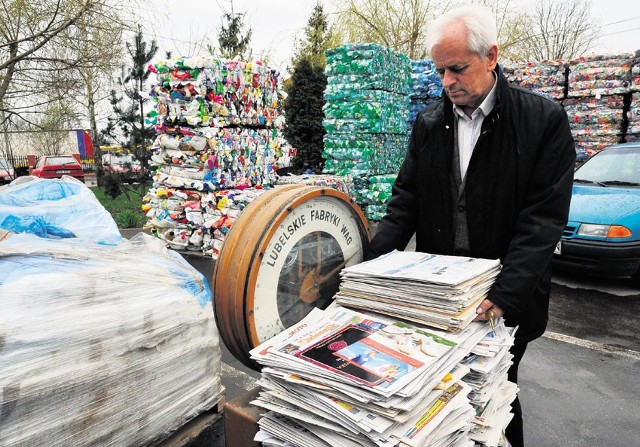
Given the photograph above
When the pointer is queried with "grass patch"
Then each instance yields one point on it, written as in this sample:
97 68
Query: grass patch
126 211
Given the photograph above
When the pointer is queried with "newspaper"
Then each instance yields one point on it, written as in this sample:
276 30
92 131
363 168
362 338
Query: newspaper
435 290
452 271
402 365
346 346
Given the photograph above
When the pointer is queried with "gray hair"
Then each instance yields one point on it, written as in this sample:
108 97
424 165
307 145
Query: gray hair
477 20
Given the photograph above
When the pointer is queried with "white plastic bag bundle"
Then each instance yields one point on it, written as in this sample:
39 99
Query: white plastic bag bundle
56 208
102 345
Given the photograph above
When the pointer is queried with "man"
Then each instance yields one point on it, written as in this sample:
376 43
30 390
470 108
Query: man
488 174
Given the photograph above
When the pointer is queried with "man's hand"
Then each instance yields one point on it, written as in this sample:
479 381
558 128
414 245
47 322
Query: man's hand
485 309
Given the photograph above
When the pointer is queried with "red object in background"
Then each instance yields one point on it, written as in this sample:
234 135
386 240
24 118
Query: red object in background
85 145
55 166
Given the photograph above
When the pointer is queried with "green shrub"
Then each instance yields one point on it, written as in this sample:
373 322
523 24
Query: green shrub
129 219
125 209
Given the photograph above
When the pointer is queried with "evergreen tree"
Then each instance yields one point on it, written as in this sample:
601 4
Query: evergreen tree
303 107
127 124
318 38
232 38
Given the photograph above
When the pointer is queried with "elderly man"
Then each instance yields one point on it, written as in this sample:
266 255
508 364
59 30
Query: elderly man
488 174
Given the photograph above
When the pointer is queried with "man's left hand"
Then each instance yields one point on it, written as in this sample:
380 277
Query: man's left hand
485 309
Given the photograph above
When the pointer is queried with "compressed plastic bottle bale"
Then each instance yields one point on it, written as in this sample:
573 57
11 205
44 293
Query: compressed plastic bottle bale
635 73
545 77
367 66
347 167
425 81
633 128
102 345
367 104
382 152
218 92
600 75
375 212
415 107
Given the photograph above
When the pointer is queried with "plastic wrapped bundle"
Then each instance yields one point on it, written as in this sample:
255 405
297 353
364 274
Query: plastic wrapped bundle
545 77
600 75
367 66
102 344
33 205
216 92
363 154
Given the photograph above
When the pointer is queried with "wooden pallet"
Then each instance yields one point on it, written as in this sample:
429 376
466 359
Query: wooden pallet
190 432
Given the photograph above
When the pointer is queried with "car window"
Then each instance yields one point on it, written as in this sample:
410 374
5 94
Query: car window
4 164
54 161
619 165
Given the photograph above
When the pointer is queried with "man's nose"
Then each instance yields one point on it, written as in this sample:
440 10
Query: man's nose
448 79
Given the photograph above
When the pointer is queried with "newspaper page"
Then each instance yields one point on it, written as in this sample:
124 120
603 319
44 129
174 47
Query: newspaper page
425 267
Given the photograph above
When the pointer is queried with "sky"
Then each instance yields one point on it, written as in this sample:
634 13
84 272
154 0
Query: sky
179 26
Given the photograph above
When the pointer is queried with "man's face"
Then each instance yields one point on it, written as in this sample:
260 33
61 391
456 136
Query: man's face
467 78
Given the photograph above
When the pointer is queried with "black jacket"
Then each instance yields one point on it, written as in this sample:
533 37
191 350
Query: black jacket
518 190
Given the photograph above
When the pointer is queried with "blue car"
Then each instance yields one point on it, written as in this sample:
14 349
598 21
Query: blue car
603 233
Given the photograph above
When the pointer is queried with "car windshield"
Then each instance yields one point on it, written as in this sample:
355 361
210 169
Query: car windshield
120 159
619 166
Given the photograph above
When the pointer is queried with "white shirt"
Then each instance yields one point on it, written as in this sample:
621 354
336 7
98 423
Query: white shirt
469 128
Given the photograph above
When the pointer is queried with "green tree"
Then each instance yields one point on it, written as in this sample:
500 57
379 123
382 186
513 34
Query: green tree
303 111
318 37
232 37
127 124
303 107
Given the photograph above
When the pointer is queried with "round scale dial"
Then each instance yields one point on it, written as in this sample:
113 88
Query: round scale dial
282 258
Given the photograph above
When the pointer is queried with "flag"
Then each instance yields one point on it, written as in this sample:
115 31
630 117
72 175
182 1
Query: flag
85 145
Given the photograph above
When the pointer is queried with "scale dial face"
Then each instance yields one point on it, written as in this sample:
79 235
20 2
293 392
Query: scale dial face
301 263
281 259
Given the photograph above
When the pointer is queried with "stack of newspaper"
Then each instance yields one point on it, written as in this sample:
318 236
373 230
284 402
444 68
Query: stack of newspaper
434 290
341 377
396 360
492 393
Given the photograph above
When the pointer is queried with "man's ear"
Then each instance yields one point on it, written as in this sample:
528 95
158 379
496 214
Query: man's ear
492 57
